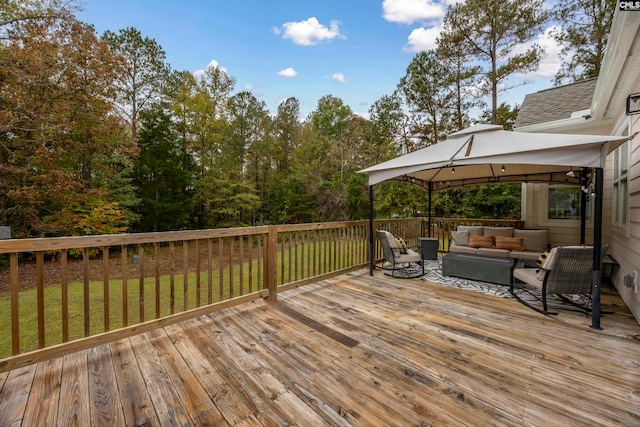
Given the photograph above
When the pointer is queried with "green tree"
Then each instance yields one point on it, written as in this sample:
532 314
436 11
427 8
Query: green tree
357 197
207 123
505 116
501 201
426 89
494 30
287 132
464 79
332 120
390 130
164 174
245 134
583 34
144 75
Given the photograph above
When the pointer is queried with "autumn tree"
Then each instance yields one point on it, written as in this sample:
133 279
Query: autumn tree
17 12
64 158
495 30
583 34
144 75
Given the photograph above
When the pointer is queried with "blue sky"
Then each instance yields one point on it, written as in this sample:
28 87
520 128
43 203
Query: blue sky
356 50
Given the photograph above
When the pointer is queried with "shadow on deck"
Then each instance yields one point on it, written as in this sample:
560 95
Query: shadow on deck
354 350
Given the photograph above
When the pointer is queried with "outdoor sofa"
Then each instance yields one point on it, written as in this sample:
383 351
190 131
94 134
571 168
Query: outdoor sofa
500 242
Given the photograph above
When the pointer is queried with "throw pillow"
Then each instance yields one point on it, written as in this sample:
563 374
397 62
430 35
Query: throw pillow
460 238
542 258
547 265
402 245
480 241
510 243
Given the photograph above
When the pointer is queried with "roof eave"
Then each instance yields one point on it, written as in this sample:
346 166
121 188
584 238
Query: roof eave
562 125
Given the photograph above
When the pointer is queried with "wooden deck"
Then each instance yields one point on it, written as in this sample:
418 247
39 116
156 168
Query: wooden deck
355 350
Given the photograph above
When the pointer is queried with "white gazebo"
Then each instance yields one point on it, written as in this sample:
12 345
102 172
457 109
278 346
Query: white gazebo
488 154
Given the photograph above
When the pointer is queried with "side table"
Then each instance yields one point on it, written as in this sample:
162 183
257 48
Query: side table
428 247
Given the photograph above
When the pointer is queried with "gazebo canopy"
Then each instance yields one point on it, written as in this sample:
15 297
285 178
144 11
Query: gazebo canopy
486 153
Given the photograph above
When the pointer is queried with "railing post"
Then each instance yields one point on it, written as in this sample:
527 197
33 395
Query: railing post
270 267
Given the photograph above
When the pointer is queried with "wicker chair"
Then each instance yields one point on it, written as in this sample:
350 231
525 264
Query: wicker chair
392 253
567 271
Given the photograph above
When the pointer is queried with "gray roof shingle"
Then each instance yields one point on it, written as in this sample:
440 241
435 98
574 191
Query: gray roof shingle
556 103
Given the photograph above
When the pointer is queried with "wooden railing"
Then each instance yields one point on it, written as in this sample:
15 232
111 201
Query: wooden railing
59 295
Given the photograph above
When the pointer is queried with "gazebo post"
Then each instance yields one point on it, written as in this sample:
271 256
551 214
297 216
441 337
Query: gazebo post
429 223
597 251
371 260
583 206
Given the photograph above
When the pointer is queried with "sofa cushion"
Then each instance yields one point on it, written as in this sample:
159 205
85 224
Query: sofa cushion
498 231
463 249
533 240
460 238
510 243
480 241
474 230
494 253
529 276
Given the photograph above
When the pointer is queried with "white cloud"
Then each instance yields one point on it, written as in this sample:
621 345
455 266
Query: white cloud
287 72
340 78
551 62
309 32
213 64
410 11
423 39
364 115
248 86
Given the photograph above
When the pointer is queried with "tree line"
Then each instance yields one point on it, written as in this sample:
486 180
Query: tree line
98 134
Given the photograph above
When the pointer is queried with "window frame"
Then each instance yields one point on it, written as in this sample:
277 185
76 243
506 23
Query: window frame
561 222
620 177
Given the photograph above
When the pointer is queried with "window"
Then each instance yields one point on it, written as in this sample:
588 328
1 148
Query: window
563 202
620 185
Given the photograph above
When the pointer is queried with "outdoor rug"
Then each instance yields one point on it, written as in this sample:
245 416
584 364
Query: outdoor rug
433 274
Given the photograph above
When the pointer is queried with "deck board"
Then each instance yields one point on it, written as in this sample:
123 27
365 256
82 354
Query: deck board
355 350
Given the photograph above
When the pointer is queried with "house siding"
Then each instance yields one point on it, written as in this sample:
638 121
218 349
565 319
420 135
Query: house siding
626 241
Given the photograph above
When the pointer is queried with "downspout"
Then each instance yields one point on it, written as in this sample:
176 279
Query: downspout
371 260
597 251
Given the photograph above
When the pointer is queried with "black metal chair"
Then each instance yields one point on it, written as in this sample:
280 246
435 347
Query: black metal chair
400 259
568 270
